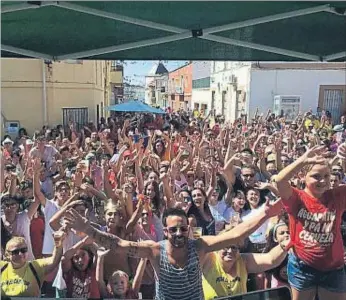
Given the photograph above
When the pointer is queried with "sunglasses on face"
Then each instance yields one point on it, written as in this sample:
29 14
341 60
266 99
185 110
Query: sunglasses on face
20 250
248 175
9 205
187 199
145 214
230 250
174 229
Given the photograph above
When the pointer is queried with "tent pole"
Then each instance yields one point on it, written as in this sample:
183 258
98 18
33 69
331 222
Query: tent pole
25 52
280 51
267 19
150 42
25 6
334 56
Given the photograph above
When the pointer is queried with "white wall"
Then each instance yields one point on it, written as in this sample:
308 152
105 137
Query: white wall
220 81
201 96
265 84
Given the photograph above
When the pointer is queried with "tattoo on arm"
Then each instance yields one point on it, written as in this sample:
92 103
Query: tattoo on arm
107 240
133 249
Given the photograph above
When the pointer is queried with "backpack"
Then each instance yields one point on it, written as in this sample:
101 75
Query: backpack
32 270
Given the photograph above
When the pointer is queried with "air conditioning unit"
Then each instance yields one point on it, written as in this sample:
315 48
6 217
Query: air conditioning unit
287 106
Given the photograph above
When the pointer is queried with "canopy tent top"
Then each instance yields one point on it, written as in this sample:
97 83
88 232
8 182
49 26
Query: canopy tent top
178 30
135 106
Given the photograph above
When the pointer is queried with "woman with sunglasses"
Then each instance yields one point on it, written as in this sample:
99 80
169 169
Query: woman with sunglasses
315 224
21 277
225 272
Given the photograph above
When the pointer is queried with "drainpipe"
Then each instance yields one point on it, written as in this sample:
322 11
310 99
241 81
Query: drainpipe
44 94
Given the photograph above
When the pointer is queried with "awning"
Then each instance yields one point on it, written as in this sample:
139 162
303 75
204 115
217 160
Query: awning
175 30
135 106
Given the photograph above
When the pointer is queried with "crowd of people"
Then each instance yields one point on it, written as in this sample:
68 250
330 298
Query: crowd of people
179 206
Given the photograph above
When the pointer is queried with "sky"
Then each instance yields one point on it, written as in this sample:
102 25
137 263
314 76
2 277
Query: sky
135 71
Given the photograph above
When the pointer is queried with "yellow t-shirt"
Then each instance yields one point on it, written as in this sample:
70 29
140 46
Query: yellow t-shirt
316 123
22 282
217 283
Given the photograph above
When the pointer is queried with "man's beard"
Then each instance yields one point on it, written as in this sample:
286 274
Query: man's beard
179 241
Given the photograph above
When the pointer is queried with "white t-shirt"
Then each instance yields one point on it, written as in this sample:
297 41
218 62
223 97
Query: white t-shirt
230 212
49 211
21 227
48 154
259 236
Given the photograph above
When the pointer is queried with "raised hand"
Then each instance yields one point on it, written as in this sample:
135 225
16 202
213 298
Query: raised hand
262 185
273 209
342 151
316 155
59 237
102 252
74 220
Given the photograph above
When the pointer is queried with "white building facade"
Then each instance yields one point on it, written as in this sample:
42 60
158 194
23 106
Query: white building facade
201 93
156 85
238 88
134 92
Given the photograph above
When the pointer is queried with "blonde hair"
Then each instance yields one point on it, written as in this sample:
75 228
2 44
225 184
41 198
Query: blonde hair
112 206
14 241
118 274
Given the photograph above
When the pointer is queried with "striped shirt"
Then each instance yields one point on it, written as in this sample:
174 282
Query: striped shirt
182 284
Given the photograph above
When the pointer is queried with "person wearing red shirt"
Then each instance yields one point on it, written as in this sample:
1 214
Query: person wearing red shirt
315 264
79 271
37 233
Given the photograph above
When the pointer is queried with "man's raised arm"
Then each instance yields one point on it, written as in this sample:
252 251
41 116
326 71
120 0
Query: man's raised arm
237 234
143 249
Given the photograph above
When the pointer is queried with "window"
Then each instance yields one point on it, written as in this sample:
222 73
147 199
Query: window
79 116
201 83
115 66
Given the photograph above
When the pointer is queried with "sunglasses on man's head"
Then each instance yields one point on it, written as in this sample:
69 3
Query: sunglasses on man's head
174 229
20 250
